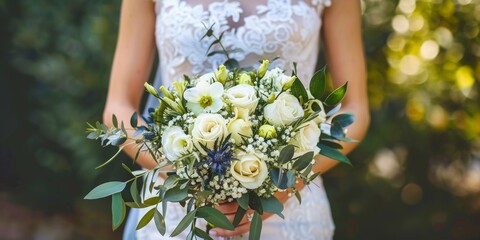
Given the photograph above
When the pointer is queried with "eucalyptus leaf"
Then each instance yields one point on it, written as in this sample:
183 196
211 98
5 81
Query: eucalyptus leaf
298 196
331 144
278 178
303 161
255 227
344 119
318 83
159 222
272 205
134 120
187 220
215 217
231 64
114 121
146 218
152 201
106 189
243 201
334 110
126 168
118 210
337 95
175 194
134 192
286 154
336 130
333 153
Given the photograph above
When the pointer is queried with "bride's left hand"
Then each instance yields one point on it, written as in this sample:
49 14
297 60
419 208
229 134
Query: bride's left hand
229 209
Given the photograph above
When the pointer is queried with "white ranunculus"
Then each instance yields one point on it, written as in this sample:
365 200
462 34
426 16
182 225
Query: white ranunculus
176 143
243 96
284 110
204 97
250 169
307 138
207 128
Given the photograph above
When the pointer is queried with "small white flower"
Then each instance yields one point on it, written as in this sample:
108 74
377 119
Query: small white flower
204 97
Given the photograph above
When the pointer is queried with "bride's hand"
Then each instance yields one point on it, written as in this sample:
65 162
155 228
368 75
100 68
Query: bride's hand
229 209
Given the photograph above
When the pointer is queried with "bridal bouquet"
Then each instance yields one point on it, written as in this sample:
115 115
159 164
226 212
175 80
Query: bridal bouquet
228 135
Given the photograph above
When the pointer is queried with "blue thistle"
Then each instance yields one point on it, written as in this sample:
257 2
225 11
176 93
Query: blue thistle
220 157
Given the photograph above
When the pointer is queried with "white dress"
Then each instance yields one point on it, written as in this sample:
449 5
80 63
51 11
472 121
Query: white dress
265 29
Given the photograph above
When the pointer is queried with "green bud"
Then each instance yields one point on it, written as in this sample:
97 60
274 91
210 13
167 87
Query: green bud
150 89
263 68
166 93
179 88
221 74
289 83
271 98
267 131
245 79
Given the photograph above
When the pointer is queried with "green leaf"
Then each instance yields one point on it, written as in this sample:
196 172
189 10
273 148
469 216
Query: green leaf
243 201
159 222
303 161
337 95
272 205
278 178
331 144
255 227
318 83
135 205
152 201
231 64
119 141
291 180
215 217
114 121
118 210
298 90
254 202
333 153
126 168
204 235
298 196
106 189
134 192
286 154
134 120
187 220
344 119
239 216
146 218
176 194
336 130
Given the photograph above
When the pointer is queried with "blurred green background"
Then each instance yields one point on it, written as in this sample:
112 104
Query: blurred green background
416 175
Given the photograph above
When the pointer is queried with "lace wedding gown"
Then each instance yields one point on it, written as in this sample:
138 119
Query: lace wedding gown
265 29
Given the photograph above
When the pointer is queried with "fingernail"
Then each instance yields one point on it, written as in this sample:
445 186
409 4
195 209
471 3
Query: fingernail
212 233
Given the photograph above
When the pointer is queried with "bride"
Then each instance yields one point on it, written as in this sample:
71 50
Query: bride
265 29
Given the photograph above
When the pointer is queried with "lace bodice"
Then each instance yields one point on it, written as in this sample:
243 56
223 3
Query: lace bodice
256 30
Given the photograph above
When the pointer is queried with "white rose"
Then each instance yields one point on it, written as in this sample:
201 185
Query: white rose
207 129
243 96
284 110
307 138
240 128
250 169
176 143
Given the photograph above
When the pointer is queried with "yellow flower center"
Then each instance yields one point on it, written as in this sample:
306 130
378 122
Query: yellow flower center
205 101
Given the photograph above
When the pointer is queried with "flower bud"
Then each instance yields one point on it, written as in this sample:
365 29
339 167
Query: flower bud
267 131
166 93
150 89
179 88
271 98
221 74
263 68
289 83
245 79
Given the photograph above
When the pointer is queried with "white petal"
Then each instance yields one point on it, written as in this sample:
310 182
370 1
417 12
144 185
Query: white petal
216 90
216 106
